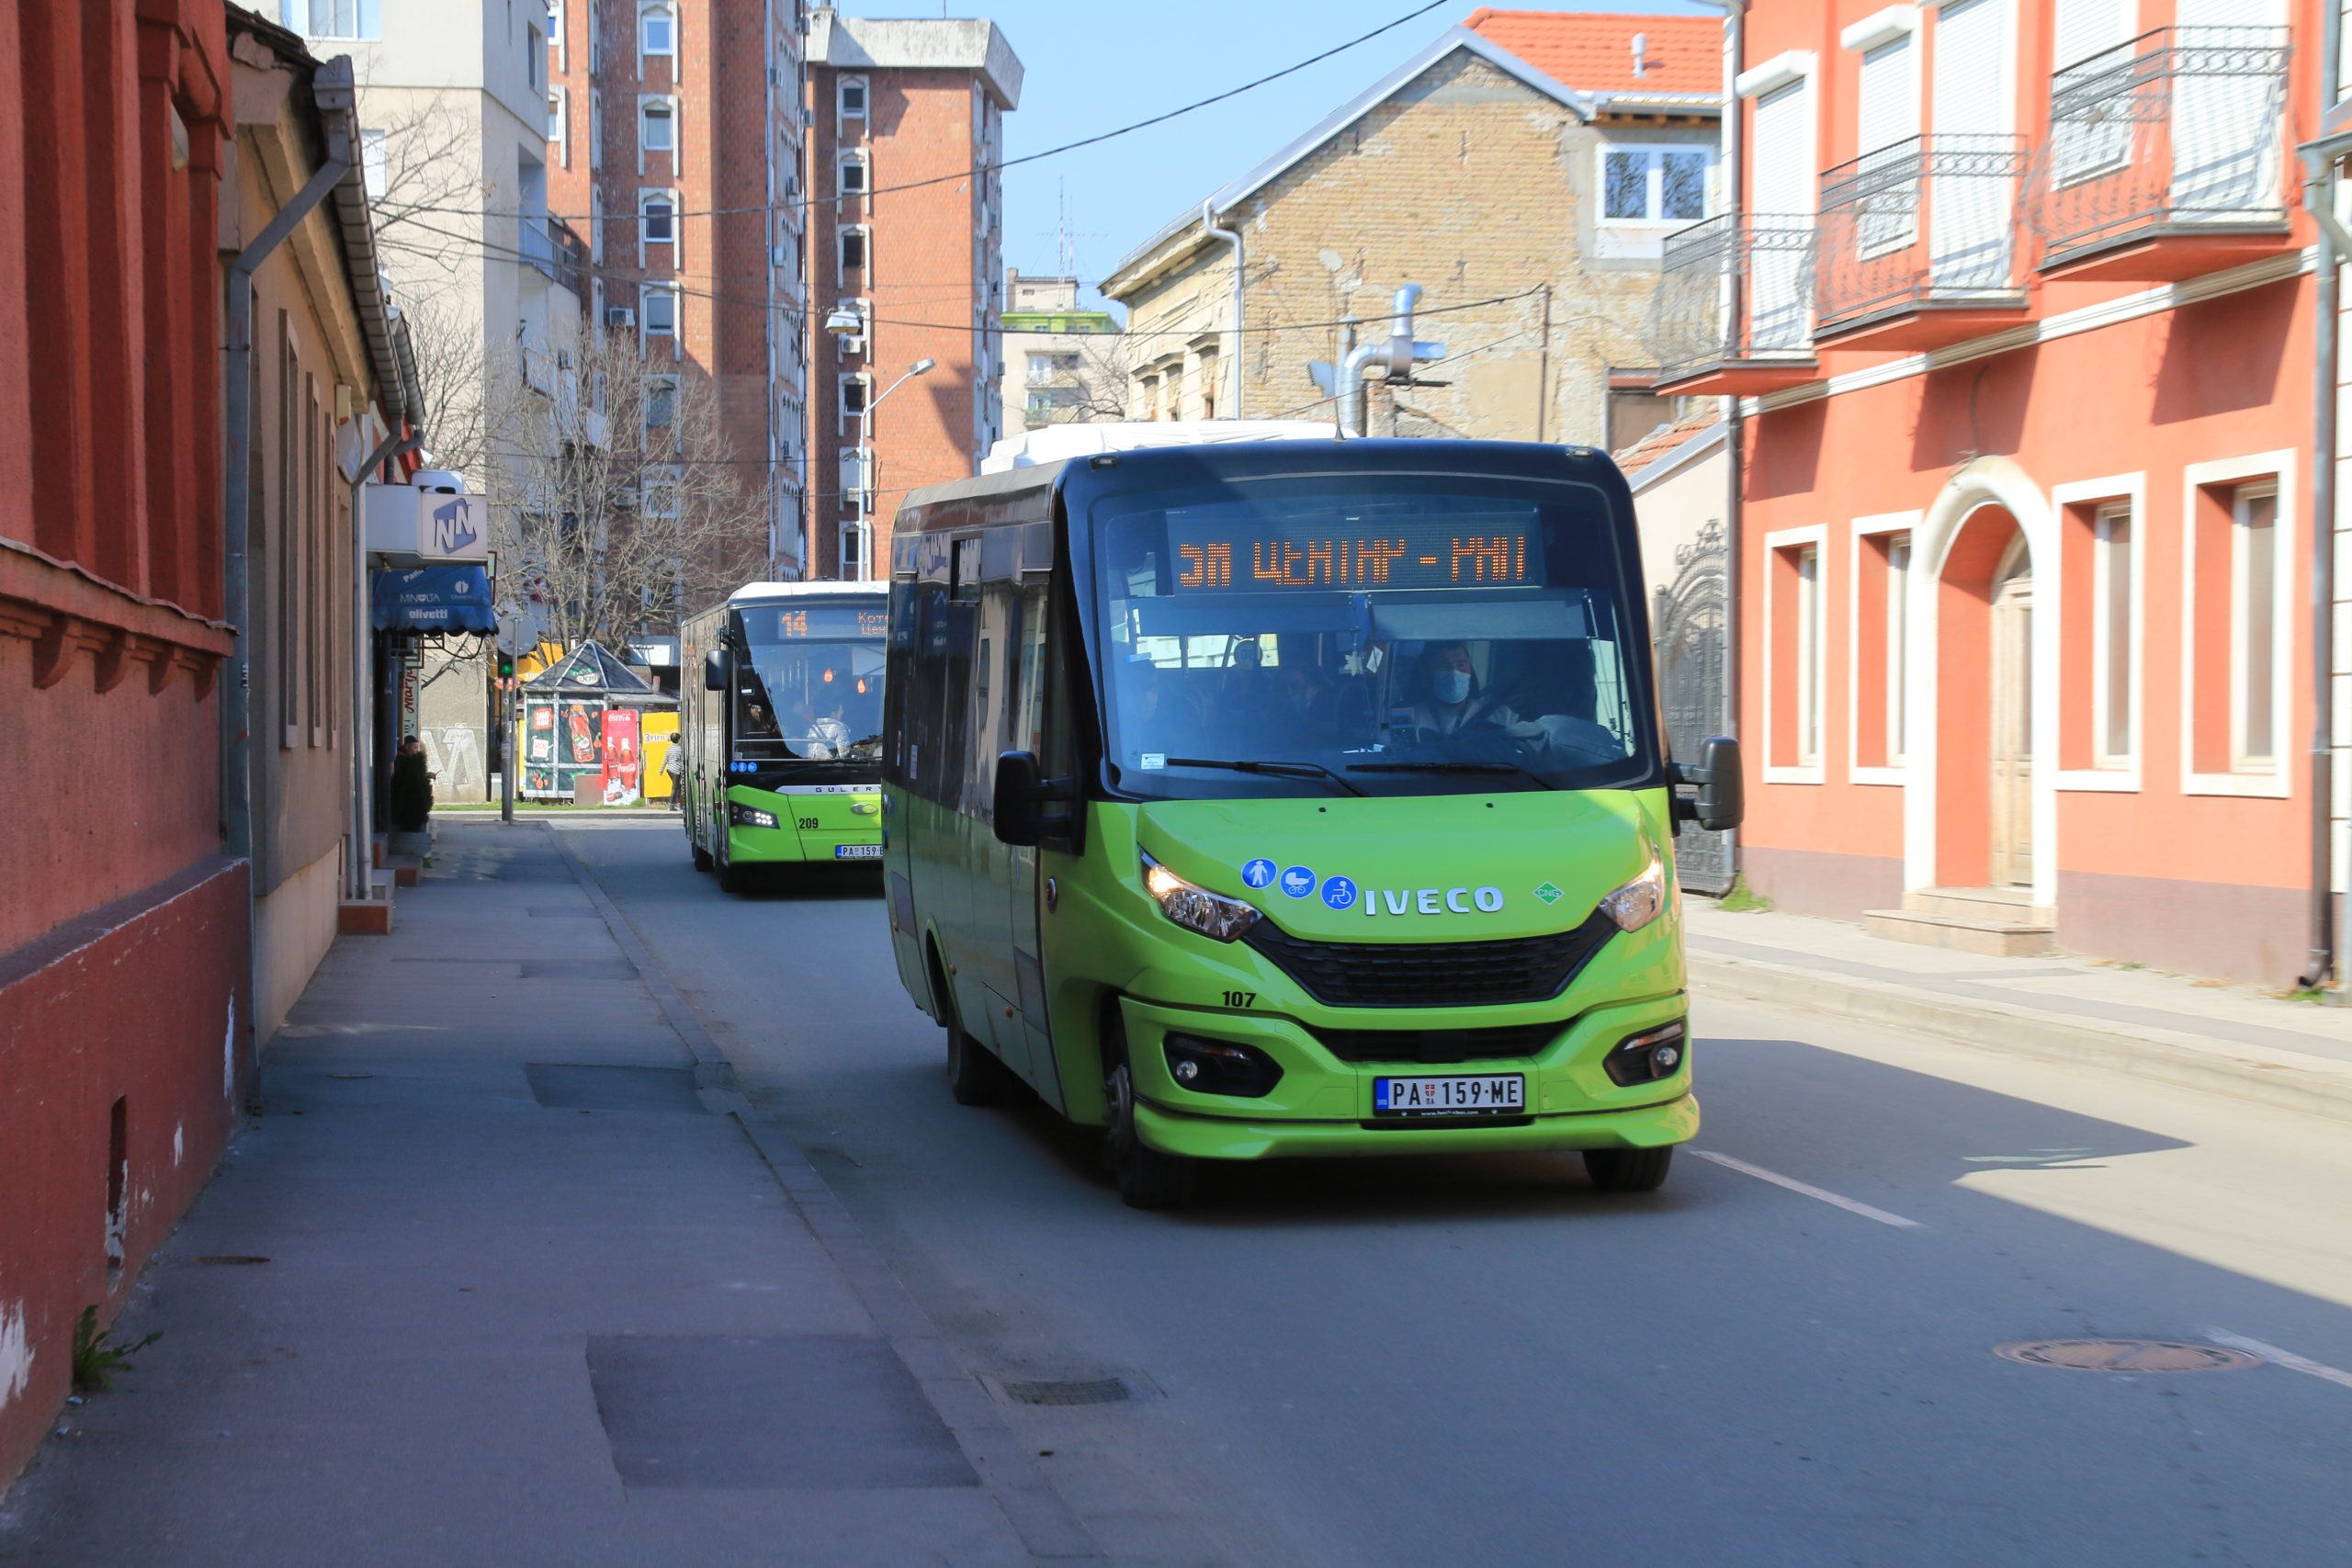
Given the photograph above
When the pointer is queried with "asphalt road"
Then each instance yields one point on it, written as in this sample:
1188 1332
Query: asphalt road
1786 1357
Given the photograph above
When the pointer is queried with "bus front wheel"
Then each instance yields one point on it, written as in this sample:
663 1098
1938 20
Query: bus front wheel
1146 1177
1628 1171
975 1076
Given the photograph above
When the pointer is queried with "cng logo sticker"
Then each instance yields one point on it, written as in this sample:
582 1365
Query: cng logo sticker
1339 892
1298 882
1549 894
1258 873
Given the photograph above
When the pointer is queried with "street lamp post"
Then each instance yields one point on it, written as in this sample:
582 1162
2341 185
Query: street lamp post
847 322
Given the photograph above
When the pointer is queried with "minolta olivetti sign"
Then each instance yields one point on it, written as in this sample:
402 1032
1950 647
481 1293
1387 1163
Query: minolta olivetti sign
412 526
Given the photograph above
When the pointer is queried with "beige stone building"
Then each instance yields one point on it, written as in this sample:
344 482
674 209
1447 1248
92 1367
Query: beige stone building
1522 168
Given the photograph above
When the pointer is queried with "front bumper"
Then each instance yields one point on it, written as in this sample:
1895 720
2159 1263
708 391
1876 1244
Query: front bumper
809 828
1323 1105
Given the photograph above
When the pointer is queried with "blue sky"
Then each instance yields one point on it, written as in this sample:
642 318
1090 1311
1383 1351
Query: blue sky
1094 64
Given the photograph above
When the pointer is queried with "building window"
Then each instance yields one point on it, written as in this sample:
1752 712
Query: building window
661 214
1796 654
854 387
660 402
595 134
658 308
854 245
374 162
657 132
534 58
558 132
1654 184
1888 113
352 19
658 31
2255 625
854 180
1898 598
852 99
2113 743
659 493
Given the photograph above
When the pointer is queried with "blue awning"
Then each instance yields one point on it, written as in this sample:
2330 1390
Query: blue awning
433 599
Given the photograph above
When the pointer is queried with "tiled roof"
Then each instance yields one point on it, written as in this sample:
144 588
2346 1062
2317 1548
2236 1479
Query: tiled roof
1593 51
1661 442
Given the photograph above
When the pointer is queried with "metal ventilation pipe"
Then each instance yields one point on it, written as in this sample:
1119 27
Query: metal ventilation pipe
1398 354
1231 237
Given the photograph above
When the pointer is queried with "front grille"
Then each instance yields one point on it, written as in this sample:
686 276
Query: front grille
1433 974
1431 1046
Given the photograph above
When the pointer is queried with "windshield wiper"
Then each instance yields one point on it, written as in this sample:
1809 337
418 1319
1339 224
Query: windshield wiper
1280 769
1447 767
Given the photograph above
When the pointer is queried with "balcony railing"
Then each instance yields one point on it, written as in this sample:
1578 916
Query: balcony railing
1926 223
1734 291
2181 128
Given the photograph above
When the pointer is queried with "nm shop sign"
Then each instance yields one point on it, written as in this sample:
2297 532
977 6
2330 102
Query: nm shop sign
425 527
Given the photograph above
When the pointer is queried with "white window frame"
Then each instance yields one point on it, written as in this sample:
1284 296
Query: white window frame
361 11
2274 780
852 346
661 479
652 383
1898 770
843 113
865 269
645 240
595 130
669 106
556 40
853 158
534 57
2104 524
843 414
1810 658
1655 186
644 51
1864 38
2122 492
647 330
559 123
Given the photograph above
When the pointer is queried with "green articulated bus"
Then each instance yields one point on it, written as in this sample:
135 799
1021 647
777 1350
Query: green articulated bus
1293 798
782 728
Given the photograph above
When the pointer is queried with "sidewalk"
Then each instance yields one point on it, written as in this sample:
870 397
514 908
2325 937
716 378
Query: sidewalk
508 1273
2222 1038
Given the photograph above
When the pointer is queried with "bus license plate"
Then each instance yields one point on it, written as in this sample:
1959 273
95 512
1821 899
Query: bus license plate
1480 1094
857 852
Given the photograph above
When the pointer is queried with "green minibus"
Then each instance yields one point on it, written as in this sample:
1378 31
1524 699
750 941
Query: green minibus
1294 797
781 727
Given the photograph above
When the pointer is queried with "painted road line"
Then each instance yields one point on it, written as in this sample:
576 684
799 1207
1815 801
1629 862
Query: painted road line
2286 1359
1806 1187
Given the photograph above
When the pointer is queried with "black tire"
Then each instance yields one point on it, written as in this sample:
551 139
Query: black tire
1628 1171
1146 1177
975 1075
702 856
733 878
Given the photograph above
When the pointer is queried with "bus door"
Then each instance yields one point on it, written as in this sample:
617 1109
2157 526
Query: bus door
1022 720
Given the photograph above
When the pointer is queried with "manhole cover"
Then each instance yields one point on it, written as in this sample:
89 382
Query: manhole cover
1083 1391
2126 1356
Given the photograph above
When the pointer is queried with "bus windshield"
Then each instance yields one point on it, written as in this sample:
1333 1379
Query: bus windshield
811 689
1396 634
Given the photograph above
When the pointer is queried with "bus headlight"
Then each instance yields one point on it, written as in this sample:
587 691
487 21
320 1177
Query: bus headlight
1196 908
1637 903
744 816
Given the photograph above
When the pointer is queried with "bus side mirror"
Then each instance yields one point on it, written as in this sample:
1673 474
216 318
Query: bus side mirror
1722 800
1019 798
714 671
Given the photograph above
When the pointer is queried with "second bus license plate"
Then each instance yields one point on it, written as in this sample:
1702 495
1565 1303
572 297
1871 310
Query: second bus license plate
857 852
1469 1094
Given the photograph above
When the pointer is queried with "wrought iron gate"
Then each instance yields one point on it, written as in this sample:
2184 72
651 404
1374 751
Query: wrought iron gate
1690 626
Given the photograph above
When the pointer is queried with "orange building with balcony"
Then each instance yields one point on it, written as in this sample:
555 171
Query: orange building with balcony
2018 303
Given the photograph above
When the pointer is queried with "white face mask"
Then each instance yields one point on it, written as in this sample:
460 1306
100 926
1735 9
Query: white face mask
1452 686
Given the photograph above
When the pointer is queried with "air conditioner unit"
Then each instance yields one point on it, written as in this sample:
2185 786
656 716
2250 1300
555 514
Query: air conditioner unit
781 255
563 359
808 117
620 316
775 76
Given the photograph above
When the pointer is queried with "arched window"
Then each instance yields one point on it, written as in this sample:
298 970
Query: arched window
852 99
657 28
659 210
658 131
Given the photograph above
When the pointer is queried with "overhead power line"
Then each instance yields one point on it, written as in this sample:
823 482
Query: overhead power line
1095 139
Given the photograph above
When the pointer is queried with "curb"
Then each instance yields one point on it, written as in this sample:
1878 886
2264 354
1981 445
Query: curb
2242 1072
1048 1527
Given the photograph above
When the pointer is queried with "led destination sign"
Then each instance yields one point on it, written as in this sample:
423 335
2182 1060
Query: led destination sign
829 622
1261 553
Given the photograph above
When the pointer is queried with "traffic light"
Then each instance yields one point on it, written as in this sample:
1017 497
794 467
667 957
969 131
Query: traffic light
505 665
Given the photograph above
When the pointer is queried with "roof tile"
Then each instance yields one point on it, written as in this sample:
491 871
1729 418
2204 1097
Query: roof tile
1593 51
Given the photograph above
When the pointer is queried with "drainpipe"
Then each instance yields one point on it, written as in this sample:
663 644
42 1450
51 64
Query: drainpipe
1231 237
332 95
1735 52
2320 188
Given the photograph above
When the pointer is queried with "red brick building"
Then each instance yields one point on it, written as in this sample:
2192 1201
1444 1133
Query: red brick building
674 147
906 219
123 928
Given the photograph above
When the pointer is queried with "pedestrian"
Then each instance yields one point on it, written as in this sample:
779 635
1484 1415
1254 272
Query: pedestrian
673 763
411 802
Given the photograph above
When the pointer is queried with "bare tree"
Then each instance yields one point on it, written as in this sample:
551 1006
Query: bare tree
1091 384
633 507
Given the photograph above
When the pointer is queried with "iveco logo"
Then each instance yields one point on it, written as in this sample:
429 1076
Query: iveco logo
1432 900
